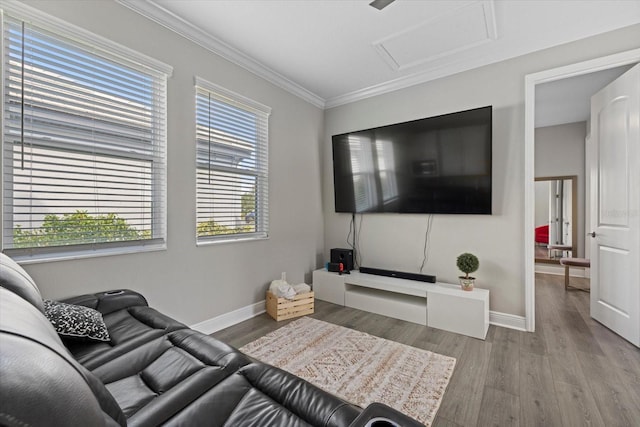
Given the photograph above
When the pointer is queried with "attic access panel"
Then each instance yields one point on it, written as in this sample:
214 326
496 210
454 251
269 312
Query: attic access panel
459 30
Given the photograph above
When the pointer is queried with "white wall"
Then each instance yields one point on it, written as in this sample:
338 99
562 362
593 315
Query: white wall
395 241
187 282
560 150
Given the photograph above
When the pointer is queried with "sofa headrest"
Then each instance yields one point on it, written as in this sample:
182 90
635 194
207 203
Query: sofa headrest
42 385
14 278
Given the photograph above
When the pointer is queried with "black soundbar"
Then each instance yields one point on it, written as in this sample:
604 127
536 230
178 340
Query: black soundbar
399 274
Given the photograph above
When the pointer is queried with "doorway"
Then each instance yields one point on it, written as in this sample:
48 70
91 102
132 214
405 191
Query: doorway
531 82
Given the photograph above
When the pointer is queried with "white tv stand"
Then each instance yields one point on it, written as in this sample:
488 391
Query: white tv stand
437 305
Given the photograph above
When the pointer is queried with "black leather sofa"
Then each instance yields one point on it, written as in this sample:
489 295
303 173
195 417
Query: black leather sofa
153 371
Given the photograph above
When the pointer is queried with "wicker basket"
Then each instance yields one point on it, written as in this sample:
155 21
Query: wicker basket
282 308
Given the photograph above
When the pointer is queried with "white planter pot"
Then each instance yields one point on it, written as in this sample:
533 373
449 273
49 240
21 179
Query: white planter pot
467 283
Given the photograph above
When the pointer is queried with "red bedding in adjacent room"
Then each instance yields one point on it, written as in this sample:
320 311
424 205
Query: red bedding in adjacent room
542 234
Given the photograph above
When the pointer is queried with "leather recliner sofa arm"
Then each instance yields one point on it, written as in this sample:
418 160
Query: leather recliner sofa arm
40 383
380 415
109 301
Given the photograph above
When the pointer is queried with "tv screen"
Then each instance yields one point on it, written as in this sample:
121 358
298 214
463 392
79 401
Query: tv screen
437 165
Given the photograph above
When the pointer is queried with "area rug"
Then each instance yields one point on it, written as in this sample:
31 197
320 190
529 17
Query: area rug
358 367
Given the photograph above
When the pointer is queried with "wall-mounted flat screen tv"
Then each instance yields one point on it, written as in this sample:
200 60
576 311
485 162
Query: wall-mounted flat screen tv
439 165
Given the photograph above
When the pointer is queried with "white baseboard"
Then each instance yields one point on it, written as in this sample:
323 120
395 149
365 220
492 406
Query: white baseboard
218 323
559 270
505 320
549 269
229 319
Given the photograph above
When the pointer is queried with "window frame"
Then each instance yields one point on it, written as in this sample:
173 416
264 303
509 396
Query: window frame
262 113
119 55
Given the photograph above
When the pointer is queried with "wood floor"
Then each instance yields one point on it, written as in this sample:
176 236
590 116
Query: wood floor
571 372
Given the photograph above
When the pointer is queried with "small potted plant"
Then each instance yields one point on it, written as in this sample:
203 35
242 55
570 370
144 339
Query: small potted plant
467 263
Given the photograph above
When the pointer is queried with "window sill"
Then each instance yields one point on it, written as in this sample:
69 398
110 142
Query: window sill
69 256
221 241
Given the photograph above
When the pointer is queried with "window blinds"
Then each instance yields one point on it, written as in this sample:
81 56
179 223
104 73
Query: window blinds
231 165
362 166
83 145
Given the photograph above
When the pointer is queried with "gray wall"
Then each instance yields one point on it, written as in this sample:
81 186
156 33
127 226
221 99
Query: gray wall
396 241
197 283
559 150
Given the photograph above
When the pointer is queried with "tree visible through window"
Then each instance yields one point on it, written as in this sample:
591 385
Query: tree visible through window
83 141
77 227
231 165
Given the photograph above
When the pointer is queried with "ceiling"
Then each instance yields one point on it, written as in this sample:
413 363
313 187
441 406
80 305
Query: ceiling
569 100
331 52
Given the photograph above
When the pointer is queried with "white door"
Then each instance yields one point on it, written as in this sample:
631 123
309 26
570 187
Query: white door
615 206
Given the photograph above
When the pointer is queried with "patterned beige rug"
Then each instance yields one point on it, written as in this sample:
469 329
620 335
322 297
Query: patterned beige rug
358 367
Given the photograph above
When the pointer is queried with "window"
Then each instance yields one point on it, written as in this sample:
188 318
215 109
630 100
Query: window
386 165
83 143
231 165
362 165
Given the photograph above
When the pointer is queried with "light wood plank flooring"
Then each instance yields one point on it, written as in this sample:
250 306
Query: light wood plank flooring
571 372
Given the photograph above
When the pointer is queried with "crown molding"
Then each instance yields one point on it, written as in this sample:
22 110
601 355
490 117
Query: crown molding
154 12
171 21
400 83
150 10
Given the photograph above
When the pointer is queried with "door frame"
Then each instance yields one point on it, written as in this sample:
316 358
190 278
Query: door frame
530 82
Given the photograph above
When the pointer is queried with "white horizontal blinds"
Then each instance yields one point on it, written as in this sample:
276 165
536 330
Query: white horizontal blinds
385 160
232 166
83 144
362 167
